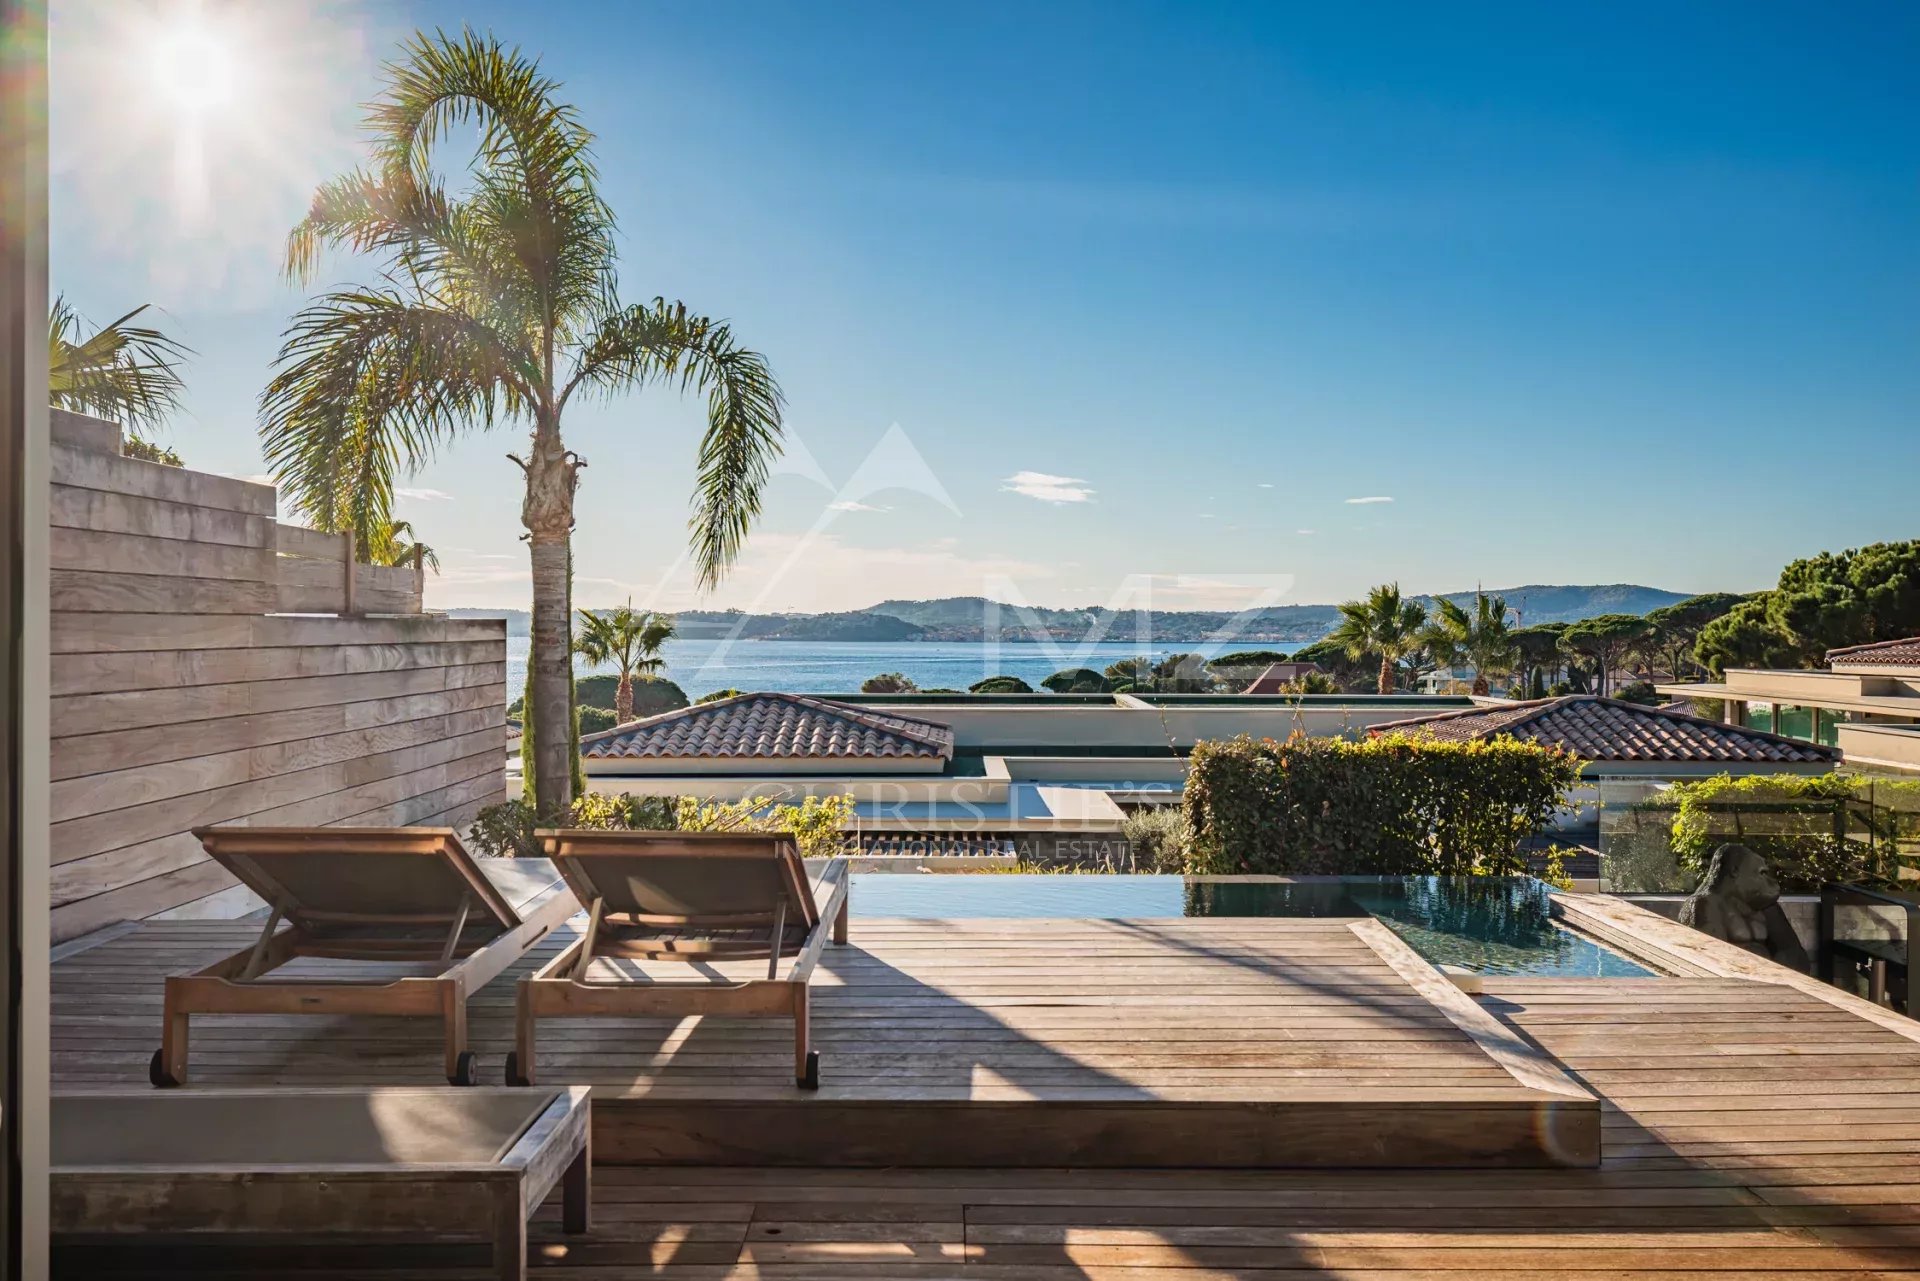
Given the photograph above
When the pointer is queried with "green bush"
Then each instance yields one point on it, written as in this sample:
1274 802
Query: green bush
507 830
717 695
652 695
1157 838
1000 685
1076 680
1639 692
889 683
1811 829
1392 805
1259 659
595 719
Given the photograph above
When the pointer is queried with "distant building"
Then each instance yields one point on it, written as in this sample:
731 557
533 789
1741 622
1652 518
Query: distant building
1867 702
947 775
1282 674
1619 739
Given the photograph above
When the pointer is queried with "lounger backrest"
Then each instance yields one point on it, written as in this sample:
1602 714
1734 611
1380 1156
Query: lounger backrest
713 878
328 877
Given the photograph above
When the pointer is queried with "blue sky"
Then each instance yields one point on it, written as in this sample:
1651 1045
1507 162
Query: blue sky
1592 293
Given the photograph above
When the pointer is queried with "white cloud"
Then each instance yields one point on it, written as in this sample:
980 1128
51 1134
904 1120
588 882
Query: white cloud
1377 498
1048 489
1265 484
849 505
1306 531
422 495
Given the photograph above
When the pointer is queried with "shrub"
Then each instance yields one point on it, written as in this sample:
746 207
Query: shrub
594 719
818 823
1394 805
717 695
507 830
1638 692
1000 685
1076 680
1258 659
1157 838
889 683
1811 829
652 695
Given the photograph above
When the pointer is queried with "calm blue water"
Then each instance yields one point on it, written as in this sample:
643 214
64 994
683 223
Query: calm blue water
1491 925
836 667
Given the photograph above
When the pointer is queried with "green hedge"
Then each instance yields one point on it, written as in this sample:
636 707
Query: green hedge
1811 829
1392 805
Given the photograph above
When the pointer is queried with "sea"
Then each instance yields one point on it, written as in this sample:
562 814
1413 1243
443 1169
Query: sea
838 667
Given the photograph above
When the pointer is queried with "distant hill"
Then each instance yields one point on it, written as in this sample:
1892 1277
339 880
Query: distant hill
1539 603
973 618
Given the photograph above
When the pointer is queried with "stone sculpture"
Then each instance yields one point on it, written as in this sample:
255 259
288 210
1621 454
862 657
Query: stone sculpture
1739 900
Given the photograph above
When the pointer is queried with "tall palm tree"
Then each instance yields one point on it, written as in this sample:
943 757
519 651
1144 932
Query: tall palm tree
1382 624
1483 638
123 371
630 640
498 304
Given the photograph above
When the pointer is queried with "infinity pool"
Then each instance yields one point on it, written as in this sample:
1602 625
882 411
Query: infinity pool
1490 924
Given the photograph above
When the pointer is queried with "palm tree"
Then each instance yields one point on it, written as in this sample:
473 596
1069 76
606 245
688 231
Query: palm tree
1482 638
629 639
395 543
1382 624
126 372
498 304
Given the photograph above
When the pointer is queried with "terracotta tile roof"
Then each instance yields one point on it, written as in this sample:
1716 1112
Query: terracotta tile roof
1605 729
1903 653
768 726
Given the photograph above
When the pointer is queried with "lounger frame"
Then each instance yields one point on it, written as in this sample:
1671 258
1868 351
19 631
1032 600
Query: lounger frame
241 983
491 1199
562 988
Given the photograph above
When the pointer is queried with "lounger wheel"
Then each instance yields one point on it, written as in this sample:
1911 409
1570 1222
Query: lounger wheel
157 1072
810 1079
466 1070
513 1069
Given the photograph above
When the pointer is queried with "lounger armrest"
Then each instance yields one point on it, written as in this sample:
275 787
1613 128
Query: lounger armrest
830 895
834 873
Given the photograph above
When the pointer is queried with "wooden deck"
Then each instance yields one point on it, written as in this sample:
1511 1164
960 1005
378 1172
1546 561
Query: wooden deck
1233 1043
1753 1130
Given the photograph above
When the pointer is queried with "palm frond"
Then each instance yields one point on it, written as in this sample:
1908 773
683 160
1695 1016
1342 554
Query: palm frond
125 372
370 382
663 342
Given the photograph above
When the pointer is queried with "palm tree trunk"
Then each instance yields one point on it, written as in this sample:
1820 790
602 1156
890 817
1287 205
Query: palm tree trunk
1386 674
547 512
623 697
1481 687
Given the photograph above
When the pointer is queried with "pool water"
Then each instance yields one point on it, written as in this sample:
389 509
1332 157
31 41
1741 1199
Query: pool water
1486 924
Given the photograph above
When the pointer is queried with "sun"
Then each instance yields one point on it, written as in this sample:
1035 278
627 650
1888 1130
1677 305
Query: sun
196 67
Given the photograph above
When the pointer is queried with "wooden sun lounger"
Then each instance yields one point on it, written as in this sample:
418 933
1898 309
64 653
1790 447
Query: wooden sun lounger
686 897
417 1162
385 894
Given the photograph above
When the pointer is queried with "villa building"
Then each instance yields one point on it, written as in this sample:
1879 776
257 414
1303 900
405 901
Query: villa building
1045 775
1037 769
1867 702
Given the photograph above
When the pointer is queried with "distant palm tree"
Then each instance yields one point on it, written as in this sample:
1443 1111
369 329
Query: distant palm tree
1382 624
1483 638
498 304
630 640
126 372
394 543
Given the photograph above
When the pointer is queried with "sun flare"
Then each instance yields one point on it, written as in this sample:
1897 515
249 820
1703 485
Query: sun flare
190 134
196 67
